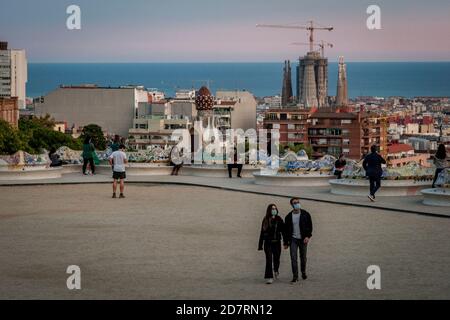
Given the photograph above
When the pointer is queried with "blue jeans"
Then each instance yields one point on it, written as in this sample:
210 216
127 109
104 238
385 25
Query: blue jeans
296 246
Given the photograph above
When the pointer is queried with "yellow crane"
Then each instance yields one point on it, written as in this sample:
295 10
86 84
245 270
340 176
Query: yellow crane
310 27
321 45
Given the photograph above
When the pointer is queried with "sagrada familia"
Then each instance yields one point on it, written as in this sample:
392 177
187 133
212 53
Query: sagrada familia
312 82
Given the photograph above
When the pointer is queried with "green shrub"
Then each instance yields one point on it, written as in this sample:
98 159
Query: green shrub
10 141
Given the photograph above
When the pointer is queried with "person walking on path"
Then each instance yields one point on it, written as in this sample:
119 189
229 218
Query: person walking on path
440 162
235 164
118 159
297 234
270 237
339 166
176 160
115 145
372 165
88 155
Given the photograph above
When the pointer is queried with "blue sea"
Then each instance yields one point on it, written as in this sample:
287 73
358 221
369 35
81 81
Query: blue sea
382 79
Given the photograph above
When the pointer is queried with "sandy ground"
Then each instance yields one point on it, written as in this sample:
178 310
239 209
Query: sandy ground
176 242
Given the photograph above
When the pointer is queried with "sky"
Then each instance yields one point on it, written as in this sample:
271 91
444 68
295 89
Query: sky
223 30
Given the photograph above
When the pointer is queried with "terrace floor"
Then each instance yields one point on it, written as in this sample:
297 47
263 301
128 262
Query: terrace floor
169 241
405 204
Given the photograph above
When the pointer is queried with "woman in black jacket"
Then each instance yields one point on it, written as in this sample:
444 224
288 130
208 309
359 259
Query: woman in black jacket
270 238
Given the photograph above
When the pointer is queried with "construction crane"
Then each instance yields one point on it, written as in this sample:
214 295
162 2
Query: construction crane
310 27
321 45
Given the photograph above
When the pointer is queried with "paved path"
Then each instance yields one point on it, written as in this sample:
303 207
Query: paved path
185 242
406 204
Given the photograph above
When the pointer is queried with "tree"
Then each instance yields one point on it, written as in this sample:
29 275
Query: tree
34 135
28 124
96 133
44 138
38 133
9 139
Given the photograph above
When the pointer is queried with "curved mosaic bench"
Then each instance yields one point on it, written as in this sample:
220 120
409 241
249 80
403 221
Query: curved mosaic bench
149 169
360 187
436 197
30 174
216 171
71 168
294 180
139 169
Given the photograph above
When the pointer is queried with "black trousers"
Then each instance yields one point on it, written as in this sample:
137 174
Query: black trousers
436 174
375 184
236 165
91 162
176 168
57 164
273 253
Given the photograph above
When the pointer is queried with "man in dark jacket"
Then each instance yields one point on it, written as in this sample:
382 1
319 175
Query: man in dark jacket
298 231
372 165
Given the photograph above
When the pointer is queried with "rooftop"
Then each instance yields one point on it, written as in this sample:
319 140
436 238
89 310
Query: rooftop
95 86
399 147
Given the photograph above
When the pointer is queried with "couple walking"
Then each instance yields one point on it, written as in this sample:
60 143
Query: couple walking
295 232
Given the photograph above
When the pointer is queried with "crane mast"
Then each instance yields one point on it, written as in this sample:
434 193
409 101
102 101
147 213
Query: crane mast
321 45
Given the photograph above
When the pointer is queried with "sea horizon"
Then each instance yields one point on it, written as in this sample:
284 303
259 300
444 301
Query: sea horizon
221 62
382 79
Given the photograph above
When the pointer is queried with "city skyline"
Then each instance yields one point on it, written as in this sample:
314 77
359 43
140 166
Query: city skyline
223 31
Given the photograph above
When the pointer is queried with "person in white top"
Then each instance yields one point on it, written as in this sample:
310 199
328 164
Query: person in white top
118 159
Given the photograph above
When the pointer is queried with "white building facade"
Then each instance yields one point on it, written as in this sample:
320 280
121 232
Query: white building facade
114 109
13 74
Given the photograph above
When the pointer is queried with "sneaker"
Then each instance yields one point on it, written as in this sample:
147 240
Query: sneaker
294 280
121 196
114 195
276 274
372 198
269 281
304 277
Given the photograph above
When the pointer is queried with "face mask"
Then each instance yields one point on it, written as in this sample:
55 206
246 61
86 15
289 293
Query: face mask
274 212
297 206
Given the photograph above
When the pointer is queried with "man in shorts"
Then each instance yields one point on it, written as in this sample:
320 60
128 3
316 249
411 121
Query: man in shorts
118 159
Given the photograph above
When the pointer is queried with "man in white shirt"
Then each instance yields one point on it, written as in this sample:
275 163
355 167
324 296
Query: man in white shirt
118 159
